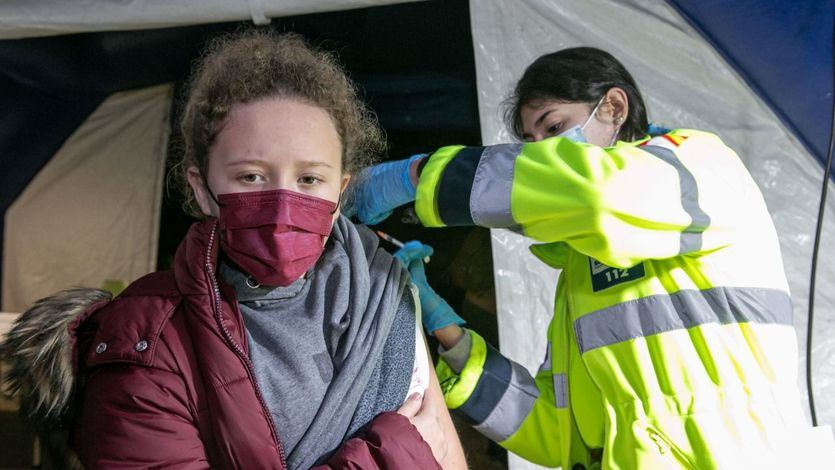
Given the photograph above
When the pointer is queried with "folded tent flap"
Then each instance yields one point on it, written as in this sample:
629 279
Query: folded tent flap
91 215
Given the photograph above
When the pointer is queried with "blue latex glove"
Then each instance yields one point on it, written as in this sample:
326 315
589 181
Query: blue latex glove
382 188
436 311
411 251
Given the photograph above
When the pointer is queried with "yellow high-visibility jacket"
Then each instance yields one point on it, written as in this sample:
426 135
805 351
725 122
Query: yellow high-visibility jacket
672 343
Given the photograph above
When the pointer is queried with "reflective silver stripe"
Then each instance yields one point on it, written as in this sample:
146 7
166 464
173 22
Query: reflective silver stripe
513 408
691 237
684 309
560 391
490 195
546 363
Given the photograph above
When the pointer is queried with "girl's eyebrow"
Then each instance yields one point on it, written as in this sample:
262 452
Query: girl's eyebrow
247 162
302 163
309 163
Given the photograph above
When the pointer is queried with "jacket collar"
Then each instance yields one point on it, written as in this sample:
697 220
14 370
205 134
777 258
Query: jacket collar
197 256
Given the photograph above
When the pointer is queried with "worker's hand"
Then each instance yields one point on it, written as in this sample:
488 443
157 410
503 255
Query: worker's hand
437 313
413 250
424 416
381 188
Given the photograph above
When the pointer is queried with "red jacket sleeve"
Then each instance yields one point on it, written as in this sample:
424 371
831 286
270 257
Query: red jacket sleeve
136 417
390 441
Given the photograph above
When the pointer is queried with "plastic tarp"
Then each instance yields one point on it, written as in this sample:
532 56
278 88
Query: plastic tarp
27 18
91 215
685 83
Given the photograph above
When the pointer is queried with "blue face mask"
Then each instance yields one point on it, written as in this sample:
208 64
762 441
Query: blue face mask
576 133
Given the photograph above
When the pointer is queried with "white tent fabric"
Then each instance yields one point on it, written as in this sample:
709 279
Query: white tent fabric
28 18
91 215
685 84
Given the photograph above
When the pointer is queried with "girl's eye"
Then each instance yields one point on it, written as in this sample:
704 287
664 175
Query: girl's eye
251 178
309 179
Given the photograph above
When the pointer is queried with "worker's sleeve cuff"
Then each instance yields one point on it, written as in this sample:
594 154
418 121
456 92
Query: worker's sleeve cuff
458 355
426 200
457 387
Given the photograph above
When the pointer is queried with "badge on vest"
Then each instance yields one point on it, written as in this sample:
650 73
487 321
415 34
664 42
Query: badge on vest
604 277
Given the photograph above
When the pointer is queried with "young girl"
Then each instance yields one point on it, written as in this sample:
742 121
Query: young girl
284 337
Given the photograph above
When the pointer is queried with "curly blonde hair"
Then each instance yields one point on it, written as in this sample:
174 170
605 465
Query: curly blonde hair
251 65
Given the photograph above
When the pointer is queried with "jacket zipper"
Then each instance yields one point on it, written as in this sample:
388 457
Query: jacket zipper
237 348
568 335
664 444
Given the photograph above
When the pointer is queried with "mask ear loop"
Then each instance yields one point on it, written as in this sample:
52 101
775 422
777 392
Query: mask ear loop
618 121
338 203
593 112
212 194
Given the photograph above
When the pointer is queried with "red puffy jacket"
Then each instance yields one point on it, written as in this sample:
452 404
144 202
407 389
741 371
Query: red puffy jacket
166 381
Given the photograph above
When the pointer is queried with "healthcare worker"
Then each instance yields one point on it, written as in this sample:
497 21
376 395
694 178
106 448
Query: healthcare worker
672 343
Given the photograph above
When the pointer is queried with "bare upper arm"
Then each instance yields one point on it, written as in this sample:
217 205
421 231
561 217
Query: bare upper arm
454 458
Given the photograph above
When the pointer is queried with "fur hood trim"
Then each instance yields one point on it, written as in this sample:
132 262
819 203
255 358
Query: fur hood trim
39 351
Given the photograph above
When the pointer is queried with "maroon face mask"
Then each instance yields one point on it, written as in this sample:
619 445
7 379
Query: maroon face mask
275 236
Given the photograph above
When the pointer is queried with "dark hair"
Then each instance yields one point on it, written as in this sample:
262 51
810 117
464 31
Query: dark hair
578 74
251 65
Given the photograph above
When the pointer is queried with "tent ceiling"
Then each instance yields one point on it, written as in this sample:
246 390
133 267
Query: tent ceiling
28 18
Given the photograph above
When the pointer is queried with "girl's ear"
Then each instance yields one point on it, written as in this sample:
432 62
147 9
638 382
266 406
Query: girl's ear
201 194
346 178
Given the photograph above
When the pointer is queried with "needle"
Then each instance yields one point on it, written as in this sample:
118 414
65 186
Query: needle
395 242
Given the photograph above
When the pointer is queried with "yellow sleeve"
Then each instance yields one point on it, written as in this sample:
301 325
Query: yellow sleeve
620 204
503 402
